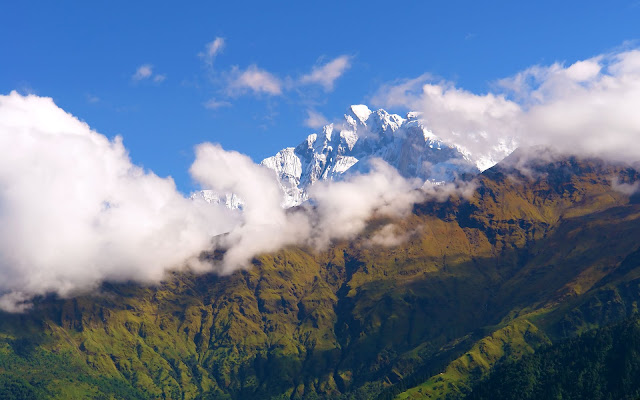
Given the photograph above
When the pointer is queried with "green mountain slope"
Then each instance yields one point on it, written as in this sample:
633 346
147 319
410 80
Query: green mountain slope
529 259
600 364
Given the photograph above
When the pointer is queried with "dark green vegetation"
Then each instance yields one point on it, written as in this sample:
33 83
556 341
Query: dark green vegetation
600 364
529 260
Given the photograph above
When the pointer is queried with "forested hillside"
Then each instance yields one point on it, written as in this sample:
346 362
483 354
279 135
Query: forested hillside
530 259
599 364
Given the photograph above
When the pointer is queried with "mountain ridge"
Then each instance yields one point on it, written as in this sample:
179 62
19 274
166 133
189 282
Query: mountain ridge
549 251
345 146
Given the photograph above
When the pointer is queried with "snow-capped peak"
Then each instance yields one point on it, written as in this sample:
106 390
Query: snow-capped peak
361 112
414 115
229 200
341 148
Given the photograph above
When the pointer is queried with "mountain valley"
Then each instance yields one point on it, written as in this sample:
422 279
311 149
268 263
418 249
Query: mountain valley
535 256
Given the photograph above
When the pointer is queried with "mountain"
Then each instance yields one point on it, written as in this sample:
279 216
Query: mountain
544 250
229 200
345 146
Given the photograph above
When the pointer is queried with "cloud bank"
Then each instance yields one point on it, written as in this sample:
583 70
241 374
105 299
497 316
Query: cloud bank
337 210
587 108
76 211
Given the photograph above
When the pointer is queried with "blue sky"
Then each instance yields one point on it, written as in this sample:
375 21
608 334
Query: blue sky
141 69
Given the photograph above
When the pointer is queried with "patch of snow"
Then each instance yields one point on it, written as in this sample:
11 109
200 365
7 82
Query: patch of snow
361 111
229 200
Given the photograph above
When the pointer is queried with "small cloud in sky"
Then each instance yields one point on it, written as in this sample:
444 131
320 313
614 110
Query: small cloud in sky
145 72
254 79
214 104
326 75
92 99
212 49
470 36
315 119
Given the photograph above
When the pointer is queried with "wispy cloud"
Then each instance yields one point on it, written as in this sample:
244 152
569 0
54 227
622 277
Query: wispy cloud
257 81
145 72
92 99
326 75
267 226
470 36
315 119
214 104
254 79
212 49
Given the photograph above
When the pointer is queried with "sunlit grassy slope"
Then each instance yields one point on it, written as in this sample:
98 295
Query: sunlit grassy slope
529 260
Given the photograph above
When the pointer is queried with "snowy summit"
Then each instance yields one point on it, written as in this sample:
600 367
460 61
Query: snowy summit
345 146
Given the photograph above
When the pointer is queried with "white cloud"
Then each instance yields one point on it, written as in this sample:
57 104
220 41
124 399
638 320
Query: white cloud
344 207
470 36
255 79
214 104
315 120
258 81
340 209
75 211
146 72
402 93
212 49
266 225
93 99
588 108
326 75
625 188
143 72
390 235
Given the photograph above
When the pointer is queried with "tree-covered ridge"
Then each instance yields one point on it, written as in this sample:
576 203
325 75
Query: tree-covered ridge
528 257
599 364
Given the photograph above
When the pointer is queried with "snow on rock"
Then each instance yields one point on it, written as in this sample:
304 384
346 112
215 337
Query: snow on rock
229 200
288 168
361 112
345 147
